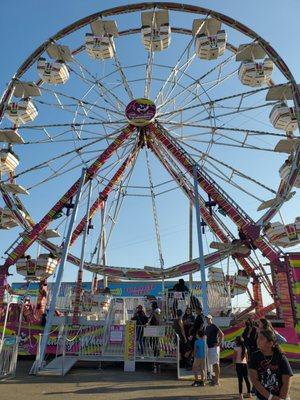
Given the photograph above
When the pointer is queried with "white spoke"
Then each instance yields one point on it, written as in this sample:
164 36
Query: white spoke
149 68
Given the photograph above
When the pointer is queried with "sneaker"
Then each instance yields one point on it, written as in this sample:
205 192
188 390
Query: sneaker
196 384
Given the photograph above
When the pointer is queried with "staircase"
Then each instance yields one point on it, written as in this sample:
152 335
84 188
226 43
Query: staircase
59 366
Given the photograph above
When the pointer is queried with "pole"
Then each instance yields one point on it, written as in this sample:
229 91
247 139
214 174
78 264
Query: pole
80 270
4 326
99 252
200 244
60 272
103 244
191 241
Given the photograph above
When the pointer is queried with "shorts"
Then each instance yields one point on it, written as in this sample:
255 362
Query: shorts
198 365
213 355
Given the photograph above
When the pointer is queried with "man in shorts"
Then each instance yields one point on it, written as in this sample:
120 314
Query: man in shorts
214 337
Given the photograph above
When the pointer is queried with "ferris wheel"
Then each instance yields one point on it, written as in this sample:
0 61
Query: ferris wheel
160 87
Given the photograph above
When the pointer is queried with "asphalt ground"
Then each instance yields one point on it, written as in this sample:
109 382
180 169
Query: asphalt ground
111 383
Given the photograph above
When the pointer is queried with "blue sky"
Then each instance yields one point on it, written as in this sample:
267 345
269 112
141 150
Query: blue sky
24 25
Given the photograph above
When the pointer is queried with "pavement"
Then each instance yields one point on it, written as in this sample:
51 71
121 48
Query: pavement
111 383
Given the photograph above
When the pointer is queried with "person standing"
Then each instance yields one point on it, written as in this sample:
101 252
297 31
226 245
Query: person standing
198 324
154 319
240 358
141 320
214 337
270 371
188 321
180 286
199 359
250 336
179 330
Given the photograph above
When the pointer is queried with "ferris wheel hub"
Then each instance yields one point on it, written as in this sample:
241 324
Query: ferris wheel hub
140 112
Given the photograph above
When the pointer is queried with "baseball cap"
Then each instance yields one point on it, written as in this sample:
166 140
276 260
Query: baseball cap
209 316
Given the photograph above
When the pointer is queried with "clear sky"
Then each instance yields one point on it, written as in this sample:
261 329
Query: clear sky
24 25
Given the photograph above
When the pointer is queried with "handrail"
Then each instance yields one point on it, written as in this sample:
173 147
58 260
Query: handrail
178 356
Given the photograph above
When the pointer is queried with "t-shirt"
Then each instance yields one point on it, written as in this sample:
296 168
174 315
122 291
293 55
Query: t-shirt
211 332
199 348
270 370
180 288
198 324
239 359
250 339
140 318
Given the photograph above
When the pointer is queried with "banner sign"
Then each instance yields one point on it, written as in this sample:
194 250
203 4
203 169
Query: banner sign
154 331
129 348
116 334
121 289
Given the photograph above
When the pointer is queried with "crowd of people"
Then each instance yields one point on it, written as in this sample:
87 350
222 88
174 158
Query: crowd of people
269 370
257 355
258 359
199 339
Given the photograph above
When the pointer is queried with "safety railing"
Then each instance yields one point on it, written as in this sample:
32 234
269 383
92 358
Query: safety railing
156 343
179 301
90 341
38 363
8 357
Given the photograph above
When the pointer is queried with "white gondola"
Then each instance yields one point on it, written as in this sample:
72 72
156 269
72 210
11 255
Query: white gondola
283 117
284 235
37 270
7 220
156 31
52 72
210 39
252 73
284 172
239 284
100 48
216 275
8 160
50 234
10 136
22 112
15 189
100 44
210 47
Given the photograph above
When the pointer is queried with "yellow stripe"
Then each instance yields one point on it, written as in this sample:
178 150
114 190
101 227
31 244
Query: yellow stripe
291 348
295 263
232 335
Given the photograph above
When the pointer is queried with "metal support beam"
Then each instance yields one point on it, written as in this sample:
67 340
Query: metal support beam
200 244
80 269
60 272
190 241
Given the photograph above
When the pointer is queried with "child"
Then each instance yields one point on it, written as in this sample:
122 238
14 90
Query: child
240 359
270 371
199 359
